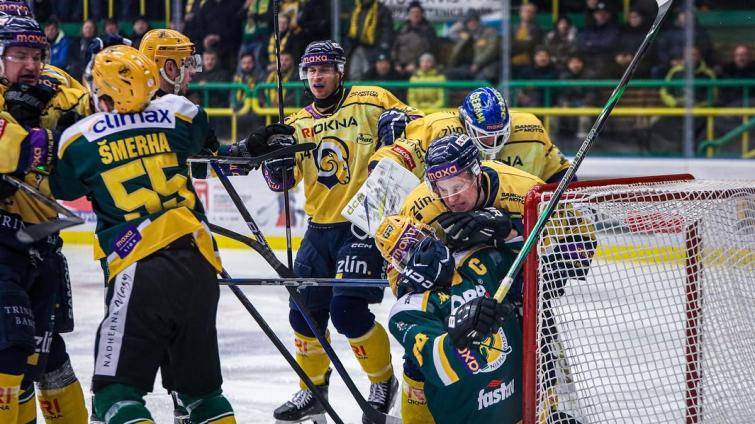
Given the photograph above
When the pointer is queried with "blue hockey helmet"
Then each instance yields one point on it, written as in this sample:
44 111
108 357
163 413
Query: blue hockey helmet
449 157
22 31
326 52
487 119
15 8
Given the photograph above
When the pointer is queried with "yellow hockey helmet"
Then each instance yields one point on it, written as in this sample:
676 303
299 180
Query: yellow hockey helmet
162 45
125 75
397 235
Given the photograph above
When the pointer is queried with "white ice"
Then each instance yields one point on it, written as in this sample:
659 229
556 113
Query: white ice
256 377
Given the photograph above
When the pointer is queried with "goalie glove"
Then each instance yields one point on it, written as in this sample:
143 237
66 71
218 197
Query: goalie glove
476 320
488 226
569 259
430 267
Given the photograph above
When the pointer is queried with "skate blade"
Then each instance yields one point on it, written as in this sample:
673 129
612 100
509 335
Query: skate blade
316 419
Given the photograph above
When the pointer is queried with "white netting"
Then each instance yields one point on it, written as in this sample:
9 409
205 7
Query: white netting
662 326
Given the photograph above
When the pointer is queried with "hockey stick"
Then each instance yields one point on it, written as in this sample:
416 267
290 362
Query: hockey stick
36 232
255 160
286 202
663 8
262 247
281 348
305 282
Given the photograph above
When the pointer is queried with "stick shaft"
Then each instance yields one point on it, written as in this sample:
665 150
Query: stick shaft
503 289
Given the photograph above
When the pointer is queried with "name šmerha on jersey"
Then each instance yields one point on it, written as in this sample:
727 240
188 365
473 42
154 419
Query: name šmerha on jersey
142 192
481 384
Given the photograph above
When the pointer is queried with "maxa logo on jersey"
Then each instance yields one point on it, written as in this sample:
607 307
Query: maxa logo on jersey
126 241
467 357
499 393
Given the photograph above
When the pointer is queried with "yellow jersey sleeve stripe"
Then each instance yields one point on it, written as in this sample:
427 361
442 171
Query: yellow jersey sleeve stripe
440 360
64 145
183 117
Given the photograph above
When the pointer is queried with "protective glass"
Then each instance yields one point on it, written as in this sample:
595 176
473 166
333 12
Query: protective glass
303 70
193 62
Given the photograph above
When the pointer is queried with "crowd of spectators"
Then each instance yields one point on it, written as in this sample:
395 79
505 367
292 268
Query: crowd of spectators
236 41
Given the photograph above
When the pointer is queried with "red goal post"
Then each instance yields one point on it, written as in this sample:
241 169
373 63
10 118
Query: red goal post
644 286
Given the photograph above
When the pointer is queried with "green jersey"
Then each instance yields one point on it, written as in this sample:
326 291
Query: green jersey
475 385
133 168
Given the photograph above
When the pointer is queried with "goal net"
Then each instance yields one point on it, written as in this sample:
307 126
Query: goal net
639 303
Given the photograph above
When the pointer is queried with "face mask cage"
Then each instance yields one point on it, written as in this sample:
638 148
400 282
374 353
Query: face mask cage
499 137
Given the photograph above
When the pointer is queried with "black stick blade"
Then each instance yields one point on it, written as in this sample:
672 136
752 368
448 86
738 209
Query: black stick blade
41 231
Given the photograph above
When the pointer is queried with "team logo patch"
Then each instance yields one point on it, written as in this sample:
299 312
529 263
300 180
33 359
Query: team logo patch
332 161
126 241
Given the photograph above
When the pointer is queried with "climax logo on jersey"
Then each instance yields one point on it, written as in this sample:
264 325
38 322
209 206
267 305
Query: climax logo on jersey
113 122
332 161
500 393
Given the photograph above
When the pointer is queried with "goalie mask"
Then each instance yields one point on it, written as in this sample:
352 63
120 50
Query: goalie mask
162 45
397 235
126 76
486 119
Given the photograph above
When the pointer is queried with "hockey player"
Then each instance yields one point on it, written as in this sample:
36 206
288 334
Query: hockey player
175 56
465 345
342 121
515 138
130 157
35 293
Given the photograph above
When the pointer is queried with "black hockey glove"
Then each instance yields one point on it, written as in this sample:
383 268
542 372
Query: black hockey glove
430 267
466 229
569 259
273 169
26 102
391 125
476 320
263 140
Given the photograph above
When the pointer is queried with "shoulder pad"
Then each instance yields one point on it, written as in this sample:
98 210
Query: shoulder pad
510 172
179 105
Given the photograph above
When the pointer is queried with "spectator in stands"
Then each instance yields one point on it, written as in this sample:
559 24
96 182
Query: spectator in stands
60 45
314 20
426 98
674 96
213 72
575 97
287 74
634 31
671 42
247 73
290 41
258 16
476 53
599 42
79 48
111 28
216 26
741 67
370 31
542 68
415 38
525 37
141 26
383 69
561 42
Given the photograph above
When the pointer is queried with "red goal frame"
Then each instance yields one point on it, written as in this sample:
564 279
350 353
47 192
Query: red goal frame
693 266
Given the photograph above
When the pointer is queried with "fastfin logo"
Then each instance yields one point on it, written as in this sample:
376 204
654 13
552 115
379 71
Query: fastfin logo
486 399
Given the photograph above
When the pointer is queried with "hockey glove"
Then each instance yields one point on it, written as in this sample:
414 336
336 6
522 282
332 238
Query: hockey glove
430 267
26 102
391 125
569 259
476 320
263 140
463 230
273 169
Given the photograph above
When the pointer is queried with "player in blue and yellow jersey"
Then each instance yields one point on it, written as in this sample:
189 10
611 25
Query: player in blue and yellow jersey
35 292
515 138
465 345
342 122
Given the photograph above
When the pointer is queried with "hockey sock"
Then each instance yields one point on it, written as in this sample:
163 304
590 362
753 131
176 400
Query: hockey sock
60 396
414 408
27 407
212 408
10 388
312 358
120 404
373 353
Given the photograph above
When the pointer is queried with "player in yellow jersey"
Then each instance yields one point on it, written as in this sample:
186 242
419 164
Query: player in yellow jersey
515 138
35 292
342 122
